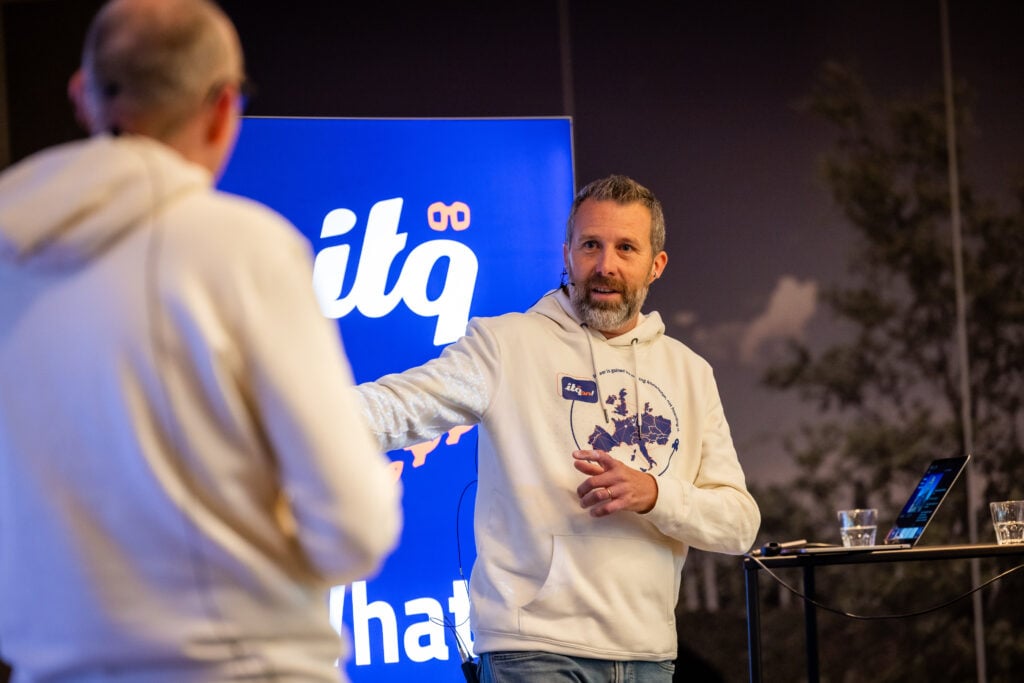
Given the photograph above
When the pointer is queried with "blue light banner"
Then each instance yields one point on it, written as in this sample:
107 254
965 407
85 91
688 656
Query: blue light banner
416 225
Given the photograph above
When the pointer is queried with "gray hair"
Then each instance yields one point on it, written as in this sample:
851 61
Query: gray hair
621 190
156 62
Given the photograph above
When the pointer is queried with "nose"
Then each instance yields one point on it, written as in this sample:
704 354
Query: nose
607 262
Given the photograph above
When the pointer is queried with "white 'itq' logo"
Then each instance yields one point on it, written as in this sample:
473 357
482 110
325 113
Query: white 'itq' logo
381 245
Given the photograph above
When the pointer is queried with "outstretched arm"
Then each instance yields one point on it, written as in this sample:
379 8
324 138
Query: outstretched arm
423 402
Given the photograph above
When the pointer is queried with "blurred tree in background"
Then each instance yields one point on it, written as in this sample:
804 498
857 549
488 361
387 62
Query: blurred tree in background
889 392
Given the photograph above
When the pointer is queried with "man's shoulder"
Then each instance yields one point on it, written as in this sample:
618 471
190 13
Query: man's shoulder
513 322
219 233
244 207
683 350
236 218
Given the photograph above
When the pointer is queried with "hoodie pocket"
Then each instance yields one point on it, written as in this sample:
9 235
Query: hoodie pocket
606 594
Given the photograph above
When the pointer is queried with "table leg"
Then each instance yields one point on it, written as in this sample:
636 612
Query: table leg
753 620
811 625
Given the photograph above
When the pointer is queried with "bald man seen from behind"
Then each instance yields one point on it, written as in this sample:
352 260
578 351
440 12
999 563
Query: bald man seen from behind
184 471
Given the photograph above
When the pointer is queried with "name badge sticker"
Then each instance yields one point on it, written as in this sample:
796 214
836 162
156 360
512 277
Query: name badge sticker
584 390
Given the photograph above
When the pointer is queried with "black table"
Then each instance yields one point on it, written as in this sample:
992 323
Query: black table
811 561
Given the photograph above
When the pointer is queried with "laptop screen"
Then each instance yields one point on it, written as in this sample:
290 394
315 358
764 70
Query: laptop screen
929 493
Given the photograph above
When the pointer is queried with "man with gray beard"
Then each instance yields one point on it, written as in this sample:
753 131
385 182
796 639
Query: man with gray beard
604 456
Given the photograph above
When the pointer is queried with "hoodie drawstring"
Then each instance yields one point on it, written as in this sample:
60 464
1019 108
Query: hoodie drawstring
633 344
597 377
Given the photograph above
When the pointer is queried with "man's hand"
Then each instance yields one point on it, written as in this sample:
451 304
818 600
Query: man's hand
612 485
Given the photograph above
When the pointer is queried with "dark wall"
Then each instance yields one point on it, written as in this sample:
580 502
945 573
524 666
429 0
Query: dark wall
321 58
403 59
42 43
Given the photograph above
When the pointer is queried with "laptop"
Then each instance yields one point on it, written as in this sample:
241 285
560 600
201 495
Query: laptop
920 508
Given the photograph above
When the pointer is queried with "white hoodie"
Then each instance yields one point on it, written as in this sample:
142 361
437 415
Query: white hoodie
183 472
548 576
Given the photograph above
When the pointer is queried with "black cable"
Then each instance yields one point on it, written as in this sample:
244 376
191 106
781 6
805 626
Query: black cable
469 668
458 539
861 617
470 671
468 663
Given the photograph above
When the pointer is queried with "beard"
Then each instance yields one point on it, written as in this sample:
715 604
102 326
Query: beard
606 315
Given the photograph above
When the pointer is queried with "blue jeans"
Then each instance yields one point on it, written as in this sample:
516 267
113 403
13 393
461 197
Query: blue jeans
542 667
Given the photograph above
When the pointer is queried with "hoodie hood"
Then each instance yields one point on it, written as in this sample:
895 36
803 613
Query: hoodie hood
557 306
65 205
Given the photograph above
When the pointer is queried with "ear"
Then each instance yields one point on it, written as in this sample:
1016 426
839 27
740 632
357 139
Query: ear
658 267
76 94
221 123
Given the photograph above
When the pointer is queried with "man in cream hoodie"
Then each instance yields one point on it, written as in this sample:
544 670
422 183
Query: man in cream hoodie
604 456
173 406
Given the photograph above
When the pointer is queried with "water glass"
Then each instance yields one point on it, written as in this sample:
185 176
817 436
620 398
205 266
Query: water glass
857 527
1008 520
